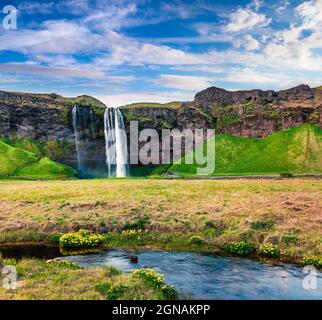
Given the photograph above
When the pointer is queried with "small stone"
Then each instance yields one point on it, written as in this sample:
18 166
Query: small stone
134 259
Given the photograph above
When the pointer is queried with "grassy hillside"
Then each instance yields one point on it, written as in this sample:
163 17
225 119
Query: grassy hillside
24 159
296 150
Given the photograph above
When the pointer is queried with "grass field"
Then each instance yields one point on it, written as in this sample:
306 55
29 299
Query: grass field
286 212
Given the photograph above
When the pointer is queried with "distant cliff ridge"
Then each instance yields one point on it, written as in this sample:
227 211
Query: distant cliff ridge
249 113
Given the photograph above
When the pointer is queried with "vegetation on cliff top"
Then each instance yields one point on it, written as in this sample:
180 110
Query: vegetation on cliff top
173 104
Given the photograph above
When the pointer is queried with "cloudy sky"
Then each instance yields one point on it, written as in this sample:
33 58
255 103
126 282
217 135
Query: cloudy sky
148 50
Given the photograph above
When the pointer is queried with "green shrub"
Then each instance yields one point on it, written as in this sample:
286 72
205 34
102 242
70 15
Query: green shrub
111 292
269 250
312 261
290 238
286 175
240 248
196 240
54 238
140 223
81 239
156 281
215 227
262 224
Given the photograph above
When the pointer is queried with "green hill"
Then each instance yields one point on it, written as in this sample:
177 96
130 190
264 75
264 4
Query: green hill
16 160
297 150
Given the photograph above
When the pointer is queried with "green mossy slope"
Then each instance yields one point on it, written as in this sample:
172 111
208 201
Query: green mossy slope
16 161
297 150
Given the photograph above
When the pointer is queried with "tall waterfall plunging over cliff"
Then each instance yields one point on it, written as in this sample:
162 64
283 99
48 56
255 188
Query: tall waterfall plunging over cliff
116 143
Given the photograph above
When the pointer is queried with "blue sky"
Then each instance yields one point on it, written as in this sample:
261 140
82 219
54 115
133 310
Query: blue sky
148 50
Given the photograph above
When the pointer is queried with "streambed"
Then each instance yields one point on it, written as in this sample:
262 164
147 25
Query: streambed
197 276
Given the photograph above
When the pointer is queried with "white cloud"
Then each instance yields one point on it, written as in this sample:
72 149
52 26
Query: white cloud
54 37
116 100
183 82
248 42
53 72
246 19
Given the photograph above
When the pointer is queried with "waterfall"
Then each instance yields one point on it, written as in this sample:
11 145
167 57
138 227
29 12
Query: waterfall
76 126
115 143
85 140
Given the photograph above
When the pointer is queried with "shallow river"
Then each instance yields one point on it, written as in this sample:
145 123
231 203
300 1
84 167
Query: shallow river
213 277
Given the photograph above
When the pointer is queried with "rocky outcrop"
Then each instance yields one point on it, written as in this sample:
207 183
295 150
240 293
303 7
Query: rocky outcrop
47 119
249 113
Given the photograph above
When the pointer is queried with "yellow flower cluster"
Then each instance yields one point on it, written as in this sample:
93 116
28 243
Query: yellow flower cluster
151 276
156 280
81 239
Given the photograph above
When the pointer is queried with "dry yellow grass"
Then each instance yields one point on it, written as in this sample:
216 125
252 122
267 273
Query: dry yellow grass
185 206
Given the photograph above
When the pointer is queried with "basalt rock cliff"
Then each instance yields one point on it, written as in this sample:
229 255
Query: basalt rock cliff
251 113
46 119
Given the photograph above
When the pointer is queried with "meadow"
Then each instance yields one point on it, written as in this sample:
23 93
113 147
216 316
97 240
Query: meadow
189 215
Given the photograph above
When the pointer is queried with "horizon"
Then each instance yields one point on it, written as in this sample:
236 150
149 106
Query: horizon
142 51
156 102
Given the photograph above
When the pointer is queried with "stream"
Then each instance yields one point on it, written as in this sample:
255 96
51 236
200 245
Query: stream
199 276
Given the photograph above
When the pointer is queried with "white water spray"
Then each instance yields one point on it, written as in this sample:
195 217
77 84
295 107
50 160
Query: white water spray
77 136
115 143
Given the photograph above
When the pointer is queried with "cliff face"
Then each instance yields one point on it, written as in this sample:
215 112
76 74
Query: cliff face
252 113
47 119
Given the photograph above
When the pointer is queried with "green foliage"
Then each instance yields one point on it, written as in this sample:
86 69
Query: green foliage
269 250
55 237
111 292
156 281
46 168
290 238
18 162
287 175
81 239
139 223
262 224
215 227
64 264
197 240
239 248
312 261
58 149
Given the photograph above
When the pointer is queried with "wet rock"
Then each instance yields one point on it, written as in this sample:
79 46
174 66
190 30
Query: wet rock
134 259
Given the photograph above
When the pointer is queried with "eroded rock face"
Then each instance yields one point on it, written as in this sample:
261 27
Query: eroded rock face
47 119
252 113
300 96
